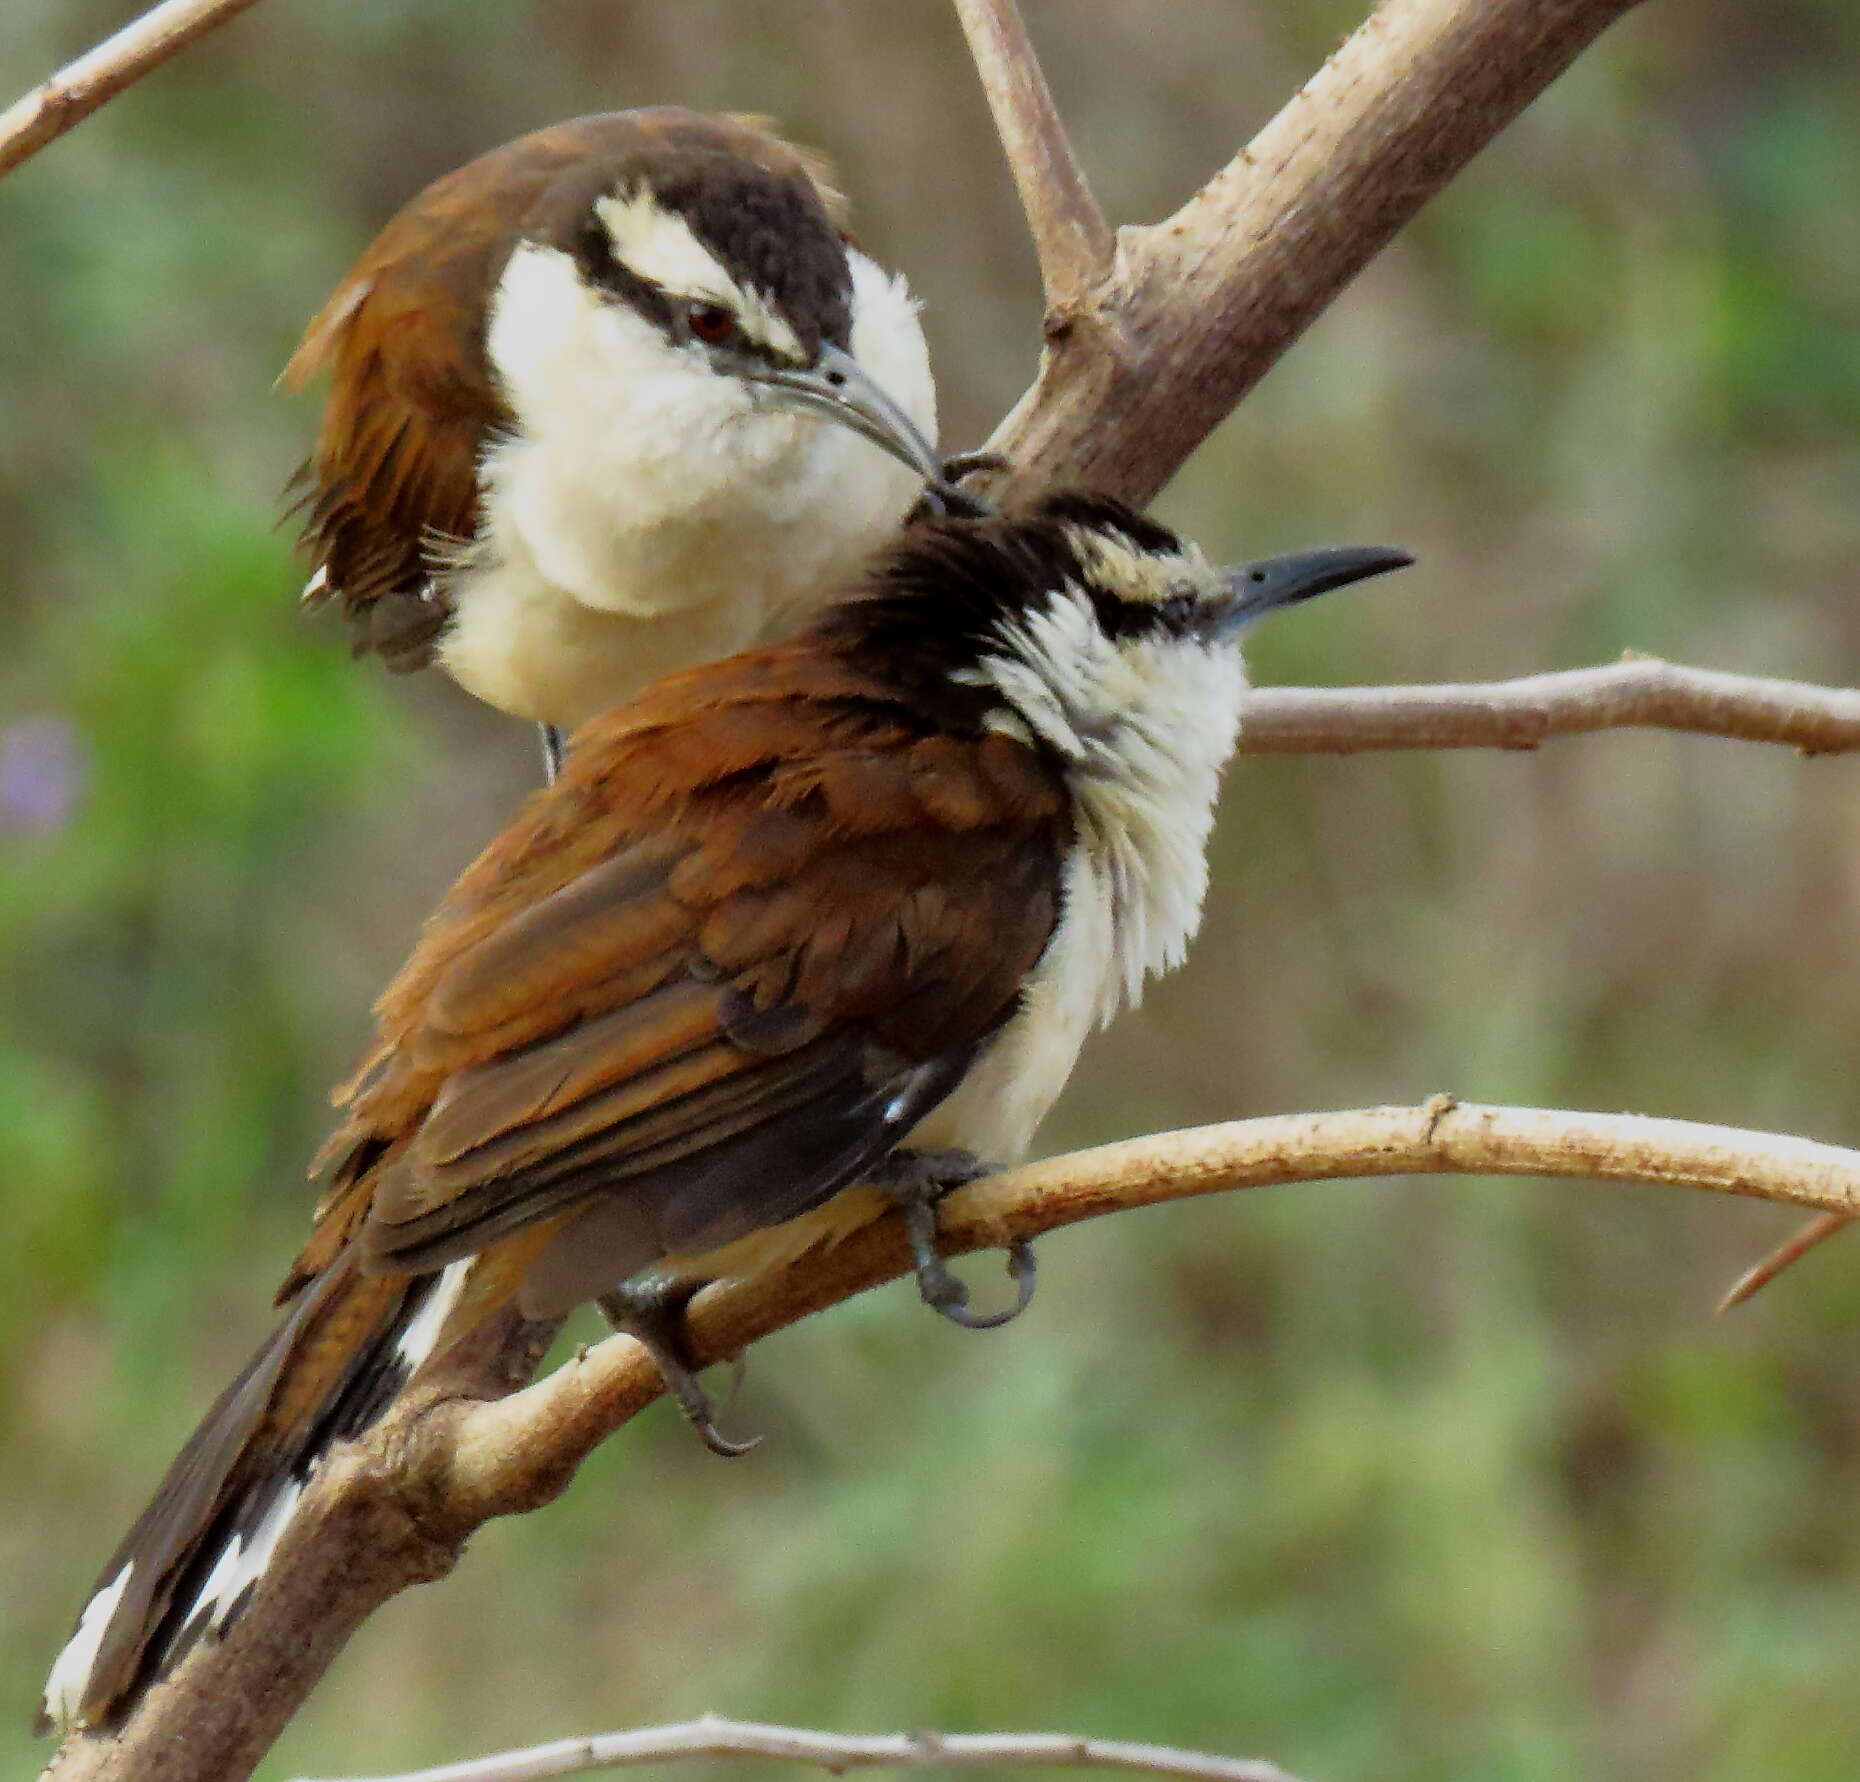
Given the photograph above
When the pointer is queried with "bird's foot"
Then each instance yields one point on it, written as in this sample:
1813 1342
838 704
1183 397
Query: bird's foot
554 753
916 1181
653 1315
947 496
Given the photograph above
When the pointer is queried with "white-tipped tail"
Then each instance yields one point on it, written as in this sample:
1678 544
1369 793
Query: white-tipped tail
64 1688
188 1567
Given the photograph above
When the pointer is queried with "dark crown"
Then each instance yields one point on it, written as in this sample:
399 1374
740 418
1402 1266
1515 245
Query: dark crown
769 231
937 601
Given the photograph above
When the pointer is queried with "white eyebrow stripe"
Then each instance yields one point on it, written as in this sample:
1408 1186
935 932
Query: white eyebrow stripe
1137 575
660 246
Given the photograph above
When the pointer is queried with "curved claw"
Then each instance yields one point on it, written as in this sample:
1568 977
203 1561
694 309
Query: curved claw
717 1442
694 1402
916 1180
1023 1269
651 1317
706 1429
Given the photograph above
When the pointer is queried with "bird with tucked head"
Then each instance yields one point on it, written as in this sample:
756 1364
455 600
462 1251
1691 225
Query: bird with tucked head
794 934
615 398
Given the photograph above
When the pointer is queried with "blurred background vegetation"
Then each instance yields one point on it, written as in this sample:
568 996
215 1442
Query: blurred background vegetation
1449 1479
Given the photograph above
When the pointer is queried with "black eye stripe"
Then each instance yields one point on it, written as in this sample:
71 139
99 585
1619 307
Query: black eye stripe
592 249
1120 619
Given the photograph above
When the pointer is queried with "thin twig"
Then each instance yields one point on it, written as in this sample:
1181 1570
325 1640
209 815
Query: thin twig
77 89
1069 232
837 1752
1786 1255
1639 692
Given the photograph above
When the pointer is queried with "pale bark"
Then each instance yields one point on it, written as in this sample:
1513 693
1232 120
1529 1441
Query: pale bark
840 1752
398 1508
77 89
495 1458
1191 312
1070 236
1639 692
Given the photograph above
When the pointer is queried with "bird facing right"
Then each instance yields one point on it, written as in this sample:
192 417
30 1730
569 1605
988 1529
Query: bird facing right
788 925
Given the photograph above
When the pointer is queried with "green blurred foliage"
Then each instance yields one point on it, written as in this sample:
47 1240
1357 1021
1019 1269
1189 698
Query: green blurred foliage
1448 1480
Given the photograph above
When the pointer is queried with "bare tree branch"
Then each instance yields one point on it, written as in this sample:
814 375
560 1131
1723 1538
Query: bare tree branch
504 1457
398 1507
1197 308
1069 232
837 1752
77 89
1639 692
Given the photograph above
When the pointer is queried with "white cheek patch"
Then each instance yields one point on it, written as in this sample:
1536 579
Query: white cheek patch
888 340
659 246
1055 671
1145 728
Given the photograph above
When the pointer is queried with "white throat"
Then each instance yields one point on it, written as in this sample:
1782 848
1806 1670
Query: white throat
1146 728
645 513
1146 725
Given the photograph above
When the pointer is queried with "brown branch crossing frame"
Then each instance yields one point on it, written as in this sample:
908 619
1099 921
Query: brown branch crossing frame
1152 335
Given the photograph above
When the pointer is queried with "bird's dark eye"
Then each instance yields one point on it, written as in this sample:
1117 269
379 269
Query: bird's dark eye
712 323
1178 610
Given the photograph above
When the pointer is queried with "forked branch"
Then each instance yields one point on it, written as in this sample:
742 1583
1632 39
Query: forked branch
398 1507
496 1458
1808 1236
1194 310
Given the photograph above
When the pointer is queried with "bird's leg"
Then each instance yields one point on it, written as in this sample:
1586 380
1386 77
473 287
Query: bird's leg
916 1181
947 496
653 1316
554 753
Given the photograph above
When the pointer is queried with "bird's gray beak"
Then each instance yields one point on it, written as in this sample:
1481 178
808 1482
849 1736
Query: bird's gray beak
1273 582
838 389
